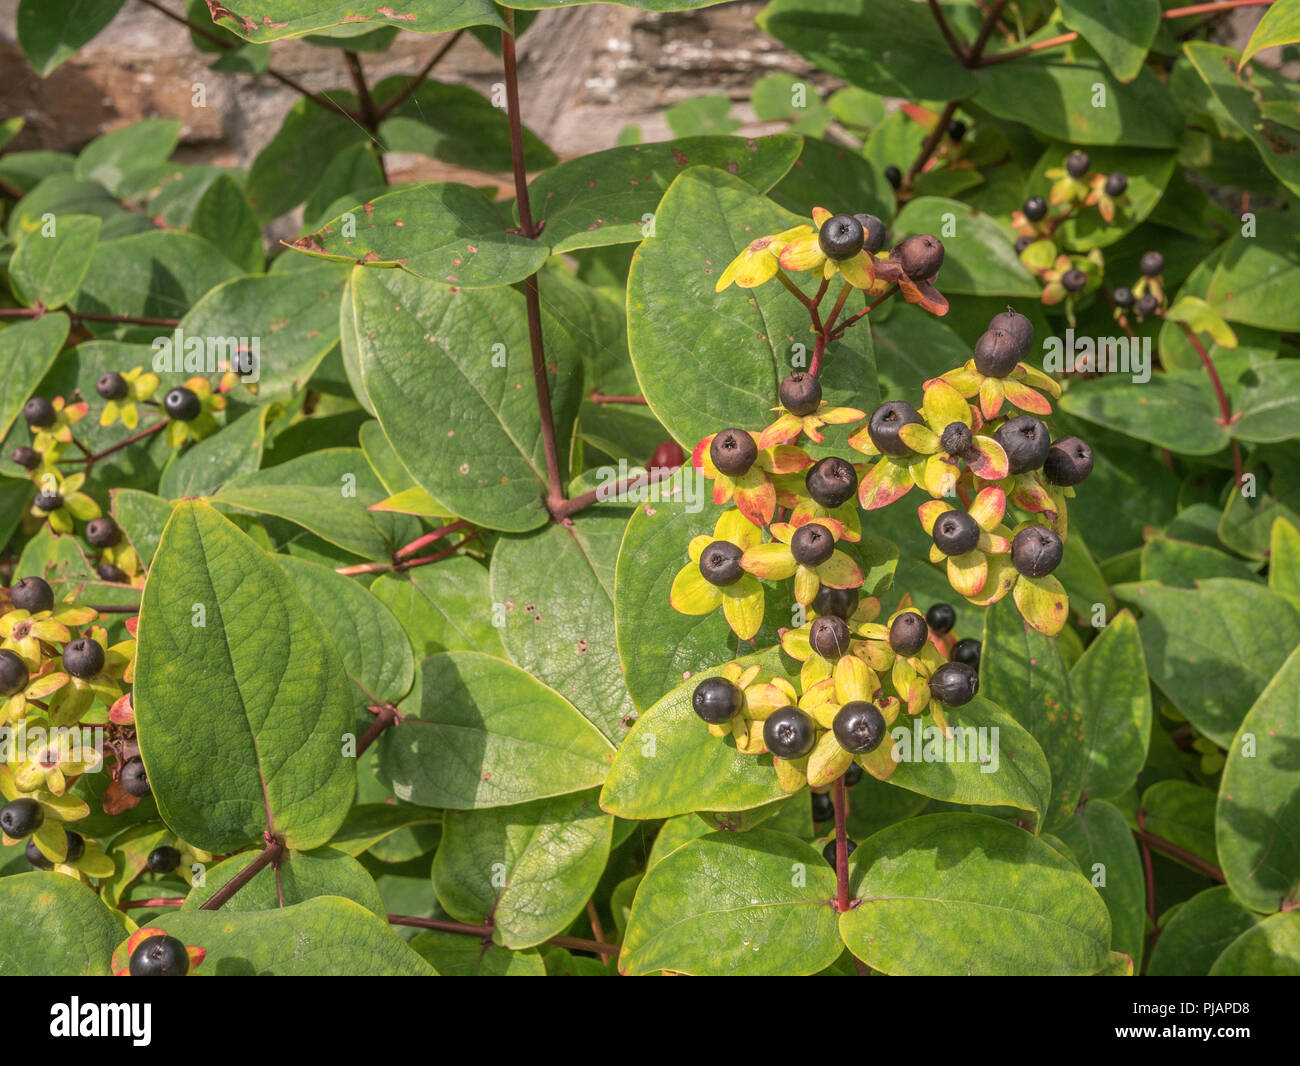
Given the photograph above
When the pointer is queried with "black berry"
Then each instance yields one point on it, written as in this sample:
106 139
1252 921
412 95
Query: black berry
859 727
831 481
829 636
956 129
133 777
109 572
47 501
32 594
841 237
996 353
28 458
908 633
1035 208
941 618
1147 305
893 175
35 857
159 956
39 413
182 404
1025 440
839 602
717 700
886 421
112 386
1077 164
1018 325
1152 264
13 673
920 256
720 563
733 452
1036 551
801 394
102 532
1123 296
956 533
852 775
789 733
21 817
76 846
967 651
1022 243
1116 183
956 439
954 684
828 852
83 657
1074 280
812 544
823 810
163 860
1069 461
873 231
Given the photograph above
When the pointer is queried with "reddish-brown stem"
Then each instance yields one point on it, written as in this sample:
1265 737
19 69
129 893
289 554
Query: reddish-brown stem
948 35
596 928
369 113
891 291
1174 851
568 508
931 143
271 855
797 292
484 932
385 716
91 460
841 845
600 397
224 45
1151 883
986 30
414 83
819 349
411 564
427 539
398 565
88 316
1225 409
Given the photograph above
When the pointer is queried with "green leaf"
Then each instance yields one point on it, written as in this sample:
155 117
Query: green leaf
1176 410
1269 949
264 754
288 170
991 898
488 735
1241 97
142 517
1183 814
440 231
1197 932
48 270
557 587
1109 687
1101 840
376 654
328 492
50 31
301 876
54 926
1180 564
1259 798
705 219
449 372
1023 672
1059 96
834 177
1208 650
529 869
27 351
979 258
605 198
1265 401
60 194
1279 26
1254 282
456 955
323 937
215 460
670 763
367 824
993 762
447 607
1120 30
110 158
734 905
891 49
159 274
224 217
1284 559
297 18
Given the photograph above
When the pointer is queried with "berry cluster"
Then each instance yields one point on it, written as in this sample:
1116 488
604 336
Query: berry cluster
976 446
1147 295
